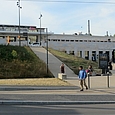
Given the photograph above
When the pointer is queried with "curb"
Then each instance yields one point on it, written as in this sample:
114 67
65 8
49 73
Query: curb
37 88
53 102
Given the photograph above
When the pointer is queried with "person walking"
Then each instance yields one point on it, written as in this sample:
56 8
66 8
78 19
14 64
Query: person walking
82 76
89 70
62 68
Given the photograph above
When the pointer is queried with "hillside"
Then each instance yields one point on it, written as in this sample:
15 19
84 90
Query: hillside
74 62
21 62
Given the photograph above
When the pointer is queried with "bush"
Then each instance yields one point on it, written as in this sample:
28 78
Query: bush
21 62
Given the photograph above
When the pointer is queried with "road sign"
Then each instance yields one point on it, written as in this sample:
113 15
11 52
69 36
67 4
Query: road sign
103 61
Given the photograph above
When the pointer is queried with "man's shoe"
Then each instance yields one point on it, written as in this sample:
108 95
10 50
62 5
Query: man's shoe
86 88
81 90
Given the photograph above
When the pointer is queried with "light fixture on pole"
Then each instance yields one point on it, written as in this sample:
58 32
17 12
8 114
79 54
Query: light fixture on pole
18 4
47 48
40 27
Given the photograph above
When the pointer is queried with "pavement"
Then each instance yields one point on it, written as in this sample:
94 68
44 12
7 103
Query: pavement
28 95
54 64
99 93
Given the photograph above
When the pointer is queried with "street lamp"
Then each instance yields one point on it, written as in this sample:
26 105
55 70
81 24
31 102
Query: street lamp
18 4
47 48
40 27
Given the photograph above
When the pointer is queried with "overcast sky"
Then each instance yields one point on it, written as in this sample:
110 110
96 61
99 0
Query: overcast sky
61 17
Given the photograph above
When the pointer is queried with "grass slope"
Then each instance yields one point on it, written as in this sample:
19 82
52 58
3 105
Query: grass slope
21 62
74 62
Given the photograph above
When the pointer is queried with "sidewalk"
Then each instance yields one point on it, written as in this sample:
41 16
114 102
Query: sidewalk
66 90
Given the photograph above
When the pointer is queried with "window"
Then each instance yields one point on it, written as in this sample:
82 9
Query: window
93 55
36 43
54 40
109 40
87 55
100 52
79 54
67 40
72 40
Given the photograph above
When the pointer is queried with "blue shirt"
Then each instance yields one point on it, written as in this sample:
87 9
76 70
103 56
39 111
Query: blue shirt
82 74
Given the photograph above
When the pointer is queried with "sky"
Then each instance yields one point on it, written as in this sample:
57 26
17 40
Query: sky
62 17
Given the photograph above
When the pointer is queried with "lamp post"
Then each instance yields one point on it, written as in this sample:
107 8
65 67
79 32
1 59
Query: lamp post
40 27
18 4
47 47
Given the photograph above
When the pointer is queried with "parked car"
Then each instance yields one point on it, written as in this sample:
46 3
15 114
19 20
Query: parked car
35 44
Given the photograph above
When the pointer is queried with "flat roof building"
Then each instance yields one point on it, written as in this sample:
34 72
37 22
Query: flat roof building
85 46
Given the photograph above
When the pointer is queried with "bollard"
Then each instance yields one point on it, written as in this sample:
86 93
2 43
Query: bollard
108 79
88 80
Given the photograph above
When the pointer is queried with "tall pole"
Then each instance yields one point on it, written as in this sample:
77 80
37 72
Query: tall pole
40 28
47 48
18 4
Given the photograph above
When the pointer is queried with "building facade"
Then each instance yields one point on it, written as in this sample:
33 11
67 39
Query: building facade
84 46
27 33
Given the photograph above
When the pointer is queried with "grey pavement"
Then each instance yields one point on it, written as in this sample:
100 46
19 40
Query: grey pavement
97 109
52 97
54 64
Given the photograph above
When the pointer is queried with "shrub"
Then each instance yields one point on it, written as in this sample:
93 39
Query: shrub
21 62
14 54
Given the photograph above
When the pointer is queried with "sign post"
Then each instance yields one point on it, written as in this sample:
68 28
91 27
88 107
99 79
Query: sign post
88 80
103 62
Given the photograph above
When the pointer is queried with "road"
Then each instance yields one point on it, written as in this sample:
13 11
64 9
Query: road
57 110
56 95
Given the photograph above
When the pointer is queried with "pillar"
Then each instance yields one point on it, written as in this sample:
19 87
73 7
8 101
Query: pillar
90 55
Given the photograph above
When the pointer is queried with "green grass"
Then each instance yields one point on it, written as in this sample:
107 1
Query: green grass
74 62
21 62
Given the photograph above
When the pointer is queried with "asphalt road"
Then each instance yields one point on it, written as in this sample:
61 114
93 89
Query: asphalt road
52 95
57 110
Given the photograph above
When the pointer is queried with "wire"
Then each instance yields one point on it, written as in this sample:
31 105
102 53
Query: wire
68 1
